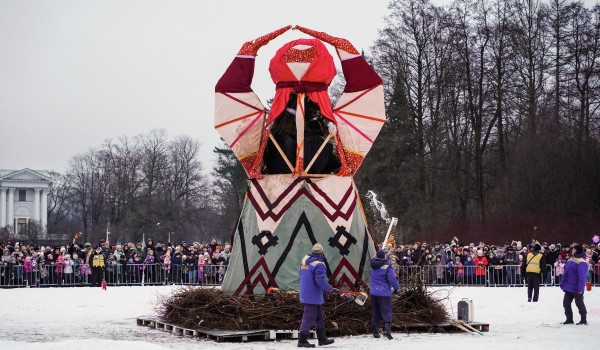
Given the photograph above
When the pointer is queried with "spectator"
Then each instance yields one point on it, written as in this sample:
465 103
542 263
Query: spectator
559 269
573 284
533 268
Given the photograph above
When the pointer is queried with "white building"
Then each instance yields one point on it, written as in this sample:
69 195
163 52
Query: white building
23 198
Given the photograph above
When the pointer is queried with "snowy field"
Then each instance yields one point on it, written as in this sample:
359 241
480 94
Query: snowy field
78 318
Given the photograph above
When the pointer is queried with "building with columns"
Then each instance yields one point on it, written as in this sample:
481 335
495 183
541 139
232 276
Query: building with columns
23 198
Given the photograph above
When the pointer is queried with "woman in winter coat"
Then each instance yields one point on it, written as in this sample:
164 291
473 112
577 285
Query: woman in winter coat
383 280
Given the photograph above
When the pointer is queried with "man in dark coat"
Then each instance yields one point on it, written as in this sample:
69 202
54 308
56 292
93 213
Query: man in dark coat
313 282
573 284
533 267
383 280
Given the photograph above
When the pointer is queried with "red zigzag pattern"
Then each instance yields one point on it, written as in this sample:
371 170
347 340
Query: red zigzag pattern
302 192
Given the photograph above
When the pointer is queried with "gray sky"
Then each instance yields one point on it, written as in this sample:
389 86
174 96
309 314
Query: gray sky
74 73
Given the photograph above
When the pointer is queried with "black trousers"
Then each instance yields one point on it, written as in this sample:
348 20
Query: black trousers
97 276
568 299
533 286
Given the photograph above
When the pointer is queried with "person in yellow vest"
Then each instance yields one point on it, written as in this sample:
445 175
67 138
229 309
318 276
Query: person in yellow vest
98 265
533 267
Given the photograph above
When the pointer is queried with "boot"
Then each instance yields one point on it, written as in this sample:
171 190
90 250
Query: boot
375 331
387 330
583 319
322 338
569 318
303 341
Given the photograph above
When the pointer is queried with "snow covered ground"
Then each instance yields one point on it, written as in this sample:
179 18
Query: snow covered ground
90 318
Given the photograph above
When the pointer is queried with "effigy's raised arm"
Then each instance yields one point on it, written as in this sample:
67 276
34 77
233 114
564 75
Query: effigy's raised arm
250 48
360 111
343 47
239 74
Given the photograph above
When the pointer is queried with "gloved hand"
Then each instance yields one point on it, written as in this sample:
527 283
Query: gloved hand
340 44
335 291
397 292
250 48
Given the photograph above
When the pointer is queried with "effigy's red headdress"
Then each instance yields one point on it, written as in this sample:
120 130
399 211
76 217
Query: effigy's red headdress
302 66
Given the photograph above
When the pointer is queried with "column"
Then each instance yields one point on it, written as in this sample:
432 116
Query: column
10 215
44 209
2 206
36 204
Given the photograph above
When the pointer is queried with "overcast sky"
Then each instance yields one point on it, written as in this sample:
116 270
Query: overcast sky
74 73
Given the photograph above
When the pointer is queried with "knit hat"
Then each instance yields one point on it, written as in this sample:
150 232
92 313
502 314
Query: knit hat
317 248
380 254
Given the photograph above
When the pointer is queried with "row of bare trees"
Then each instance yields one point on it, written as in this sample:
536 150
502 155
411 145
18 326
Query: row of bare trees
148 185
493 113
493 109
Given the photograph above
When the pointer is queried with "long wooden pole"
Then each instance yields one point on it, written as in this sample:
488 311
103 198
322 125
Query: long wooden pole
285 158
312 161
393 221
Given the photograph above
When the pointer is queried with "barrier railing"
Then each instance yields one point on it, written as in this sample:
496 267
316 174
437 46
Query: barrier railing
192 274
113 274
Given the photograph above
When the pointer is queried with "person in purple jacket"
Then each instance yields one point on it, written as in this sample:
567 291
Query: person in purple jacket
313 282
573 284
383 280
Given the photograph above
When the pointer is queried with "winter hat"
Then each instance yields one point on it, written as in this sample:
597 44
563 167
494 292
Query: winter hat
537 246
317 248
380 254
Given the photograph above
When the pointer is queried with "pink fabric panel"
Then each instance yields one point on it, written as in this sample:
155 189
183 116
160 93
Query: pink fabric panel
367 114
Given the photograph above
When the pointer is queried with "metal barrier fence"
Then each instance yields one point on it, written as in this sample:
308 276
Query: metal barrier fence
490 276
186 274
113 274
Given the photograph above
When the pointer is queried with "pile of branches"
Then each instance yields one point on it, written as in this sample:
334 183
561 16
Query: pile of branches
213 309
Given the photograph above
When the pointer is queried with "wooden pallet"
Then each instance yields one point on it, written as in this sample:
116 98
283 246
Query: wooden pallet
446 327
270 334
221 335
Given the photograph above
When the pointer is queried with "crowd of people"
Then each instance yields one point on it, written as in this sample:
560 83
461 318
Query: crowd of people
148 262
486 264
33 265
